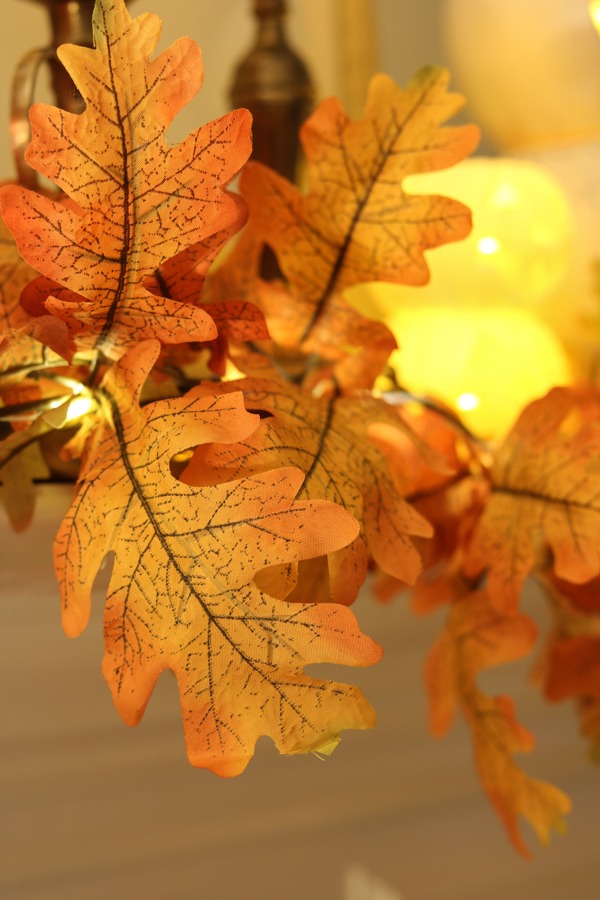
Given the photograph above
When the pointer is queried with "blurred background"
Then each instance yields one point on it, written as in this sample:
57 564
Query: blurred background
389 35
92 809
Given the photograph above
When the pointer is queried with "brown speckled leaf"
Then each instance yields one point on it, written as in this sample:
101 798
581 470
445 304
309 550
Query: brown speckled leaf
182 595
327 439
354 349
15 273
357 224
141 201
546 492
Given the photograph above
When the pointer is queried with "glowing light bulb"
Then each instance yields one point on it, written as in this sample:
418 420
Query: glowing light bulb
467 402
487 364
232 373
594 8
488 245
472 337
78 407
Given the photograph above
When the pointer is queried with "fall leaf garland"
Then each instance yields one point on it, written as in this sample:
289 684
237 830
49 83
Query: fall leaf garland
130 248
297 476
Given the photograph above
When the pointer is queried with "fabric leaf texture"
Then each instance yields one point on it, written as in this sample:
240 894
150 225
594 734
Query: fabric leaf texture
182 594
356 224
136 202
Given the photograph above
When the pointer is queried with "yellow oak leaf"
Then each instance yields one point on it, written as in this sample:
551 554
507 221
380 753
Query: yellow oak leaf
15 273
21 462
356 223
182 594
545 493
136 202
328 439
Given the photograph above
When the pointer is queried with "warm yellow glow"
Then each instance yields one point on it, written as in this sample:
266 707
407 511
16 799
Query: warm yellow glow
486 363
504 195
521 246
487 245
472 337
78 407
467 402
594 7
232 373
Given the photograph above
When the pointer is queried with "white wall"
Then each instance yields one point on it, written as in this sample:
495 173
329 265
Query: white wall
409 36
223 28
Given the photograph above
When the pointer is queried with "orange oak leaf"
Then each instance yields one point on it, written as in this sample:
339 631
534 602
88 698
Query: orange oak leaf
236 320
182 277
40 343
439 467
574 671
237 277
574 667
477 636
34 380
545 492
357 224
452 510
328 439
141 202
181 594
354 349
15 273
584 597
21 462
37 291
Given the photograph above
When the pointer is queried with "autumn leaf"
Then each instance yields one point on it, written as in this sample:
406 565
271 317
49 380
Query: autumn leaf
545 493
352 349
237 320
24 395
327 439
142 202
35 384
452 510
237 277
184 278
584 597
440 473
181 594
573 671
39 344
574 668
357 224
21 463
477 636
14 275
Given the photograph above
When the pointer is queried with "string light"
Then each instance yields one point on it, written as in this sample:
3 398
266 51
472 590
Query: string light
78 407
467 402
